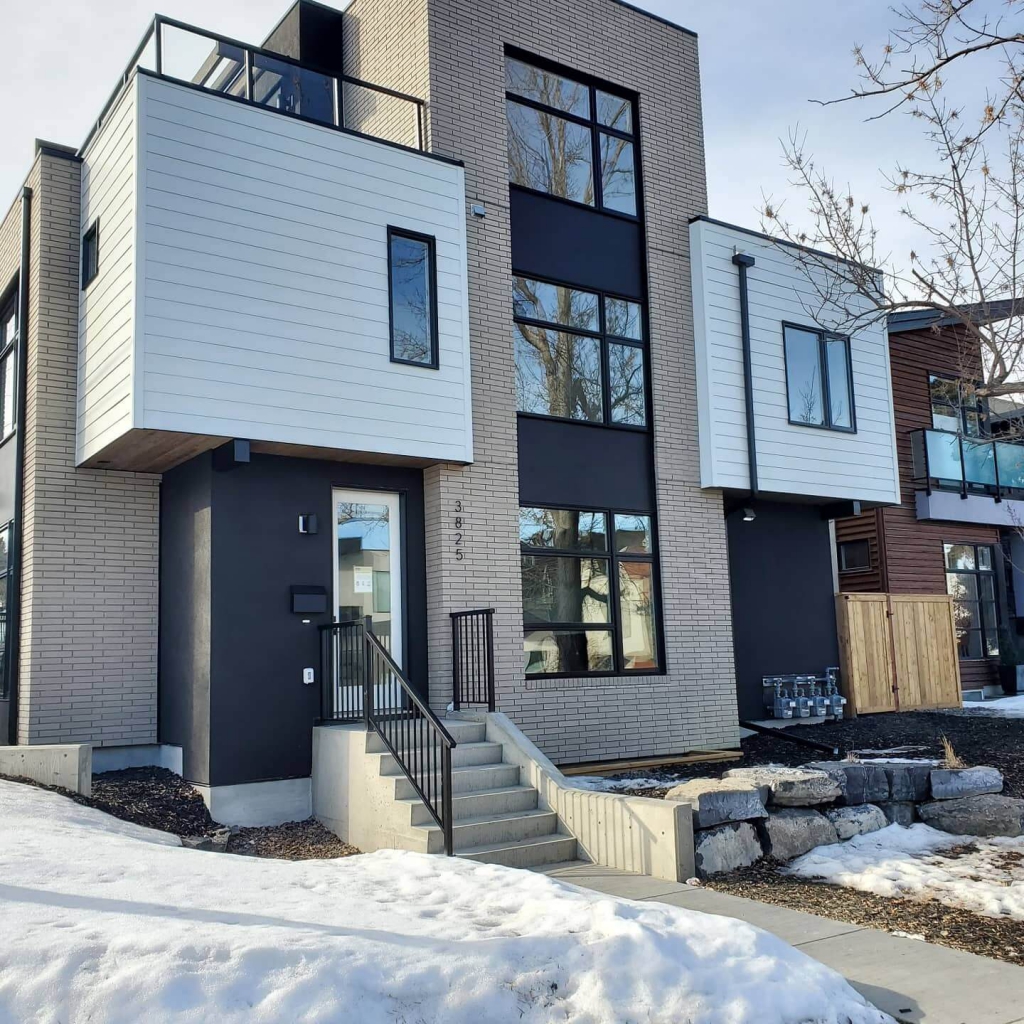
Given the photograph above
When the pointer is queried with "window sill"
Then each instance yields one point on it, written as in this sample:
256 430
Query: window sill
823 426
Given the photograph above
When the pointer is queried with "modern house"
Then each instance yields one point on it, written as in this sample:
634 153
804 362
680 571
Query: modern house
796 430
387 319
956 529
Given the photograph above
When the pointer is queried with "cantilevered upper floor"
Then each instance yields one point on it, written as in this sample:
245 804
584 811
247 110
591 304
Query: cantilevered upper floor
792 404
269 254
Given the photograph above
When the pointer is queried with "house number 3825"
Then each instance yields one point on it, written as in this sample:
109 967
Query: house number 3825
459 531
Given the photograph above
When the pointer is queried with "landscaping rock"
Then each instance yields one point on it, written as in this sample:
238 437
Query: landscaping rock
790 787
726 848
983 815
197 842
792 832
908 781
856 821
716 801
859 783
899 812
950 783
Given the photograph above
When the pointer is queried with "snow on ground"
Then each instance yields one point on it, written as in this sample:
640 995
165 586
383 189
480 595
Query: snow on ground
615 785
110 923
915 862
1010 707
898 760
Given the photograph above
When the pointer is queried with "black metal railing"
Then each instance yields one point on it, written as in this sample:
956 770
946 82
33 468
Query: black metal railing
473 658
205 60
948 461
362 682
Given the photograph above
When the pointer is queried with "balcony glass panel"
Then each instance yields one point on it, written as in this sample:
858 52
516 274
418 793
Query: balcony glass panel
943 456
202 60
979 463
380 114
1010 459
293 89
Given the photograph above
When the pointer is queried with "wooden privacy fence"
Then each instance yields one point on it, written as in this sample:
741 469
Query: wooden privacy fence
897 652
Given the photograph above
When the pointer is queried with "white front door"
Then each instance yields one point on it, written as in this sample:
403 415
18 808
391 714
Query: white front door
368 563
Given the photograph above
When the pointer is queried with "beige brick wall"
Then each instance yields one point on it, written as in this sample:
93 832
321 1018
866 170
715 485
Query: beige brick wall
693 705
89 583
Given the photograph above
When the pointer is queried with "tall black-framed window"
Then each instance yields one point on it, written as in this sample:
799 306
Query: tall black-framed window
90 254
5 575
580 355
8 366
570 139
819 378
590 602
971 582
412 298
956 406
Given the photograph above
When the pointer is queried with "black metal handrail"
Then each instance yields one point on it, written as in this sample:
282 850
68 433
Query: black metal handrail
341 671
239 86
473 658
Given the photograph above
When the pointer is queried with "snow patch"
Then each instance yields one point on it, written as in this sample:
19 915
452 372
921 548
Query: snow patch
601 784
913 862
114 924
1008 707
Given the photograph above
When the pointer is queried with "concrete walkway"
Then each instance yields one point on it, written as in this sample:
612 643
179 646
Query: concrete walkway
911 980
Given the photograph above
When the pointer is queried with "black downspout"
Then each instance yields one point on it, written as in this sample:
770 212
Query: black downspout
12 654
743 261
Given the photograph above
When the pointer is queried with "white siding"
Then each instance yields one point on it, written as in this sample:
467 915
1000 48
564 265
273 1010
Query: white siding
791 459
262 306
107 306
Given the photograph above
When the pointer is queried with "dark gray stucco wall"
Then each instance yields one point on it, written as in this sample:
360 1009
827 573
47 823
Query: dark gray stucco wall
260 713
783 607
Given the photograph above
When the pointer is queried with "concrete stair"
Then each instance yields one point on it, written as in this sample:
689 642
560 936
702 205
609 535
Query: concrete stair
496 819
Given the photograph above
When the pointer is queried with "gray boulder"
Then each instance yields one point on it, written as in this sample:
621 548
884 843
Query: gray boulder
726 848
984 815
950 783
908 781
858 783
856 821
793 831
716 801
790 787
899 812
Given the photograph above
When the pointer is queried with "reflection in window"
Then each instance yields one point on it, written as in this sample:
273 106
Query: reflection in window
560 131
412 279
8 341
292 89
578 376
819 379
971 582
955 406
587 608
854 556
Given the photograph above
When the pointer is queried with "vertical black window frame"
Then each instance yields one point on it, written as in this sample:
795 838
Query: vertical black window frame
90 254
581 355
594 124
5 582
622 632
9 332
412 298
819 378
971 582
955 405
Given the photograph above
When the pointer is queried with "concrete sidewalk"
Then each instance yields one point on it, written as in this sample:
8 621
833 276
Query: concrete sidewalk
911 980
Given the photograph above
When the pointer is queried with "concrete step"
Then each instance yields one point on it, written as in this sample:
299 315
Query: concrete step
463 755
468 779
497 828
461 732
479 804
527 853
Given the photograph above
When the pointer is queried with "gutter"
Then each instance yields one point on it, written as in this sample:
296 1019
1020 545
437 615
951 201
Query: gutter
12 654
742 262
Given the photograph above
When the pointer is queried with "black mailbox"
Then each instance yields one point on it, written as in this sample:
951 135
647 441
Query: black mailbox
308 600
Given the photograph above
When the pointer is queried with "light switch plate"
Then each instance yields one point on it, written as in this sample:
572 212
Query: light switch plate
308 676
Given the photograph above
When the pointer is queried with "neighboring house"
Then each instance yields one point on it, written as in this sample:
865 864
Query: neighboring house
441 358
795 431
962 494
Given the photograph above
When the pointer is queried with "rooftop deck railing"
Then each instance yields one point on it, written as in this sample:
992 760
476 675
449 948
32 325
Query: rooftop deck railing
204 60
945 460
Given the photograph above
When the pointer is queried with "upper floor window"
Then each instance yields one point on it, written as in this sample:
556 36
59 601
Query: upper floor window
412 298
580 355
589 602
569 139
819 378
955 405
971 582
90 254
8 348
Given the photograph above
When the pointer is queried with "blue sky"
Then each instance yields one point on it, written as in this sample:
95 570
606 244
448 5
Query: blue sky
761 64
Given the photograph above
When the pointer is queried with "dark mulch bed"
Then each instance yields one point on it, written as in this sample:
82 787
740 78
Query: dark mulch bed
157 798
999 938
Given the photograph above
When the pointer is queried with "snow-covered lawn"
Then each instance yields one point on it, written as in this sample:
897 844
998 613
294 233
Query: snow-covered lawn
107 922
1009 707
915 862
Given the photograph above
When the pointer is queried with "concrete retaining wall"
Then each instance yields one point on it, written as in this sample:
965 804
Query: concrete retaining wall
68 765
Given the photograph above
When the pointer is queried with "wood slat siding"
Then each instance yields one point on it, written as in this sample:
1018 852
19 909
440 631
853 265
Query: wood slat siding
791 459
106 311
262 302
910 556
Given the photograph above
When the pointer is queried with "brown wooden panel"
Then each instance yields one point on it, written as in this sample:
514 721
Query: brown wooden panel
865 652
862 527
924 648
